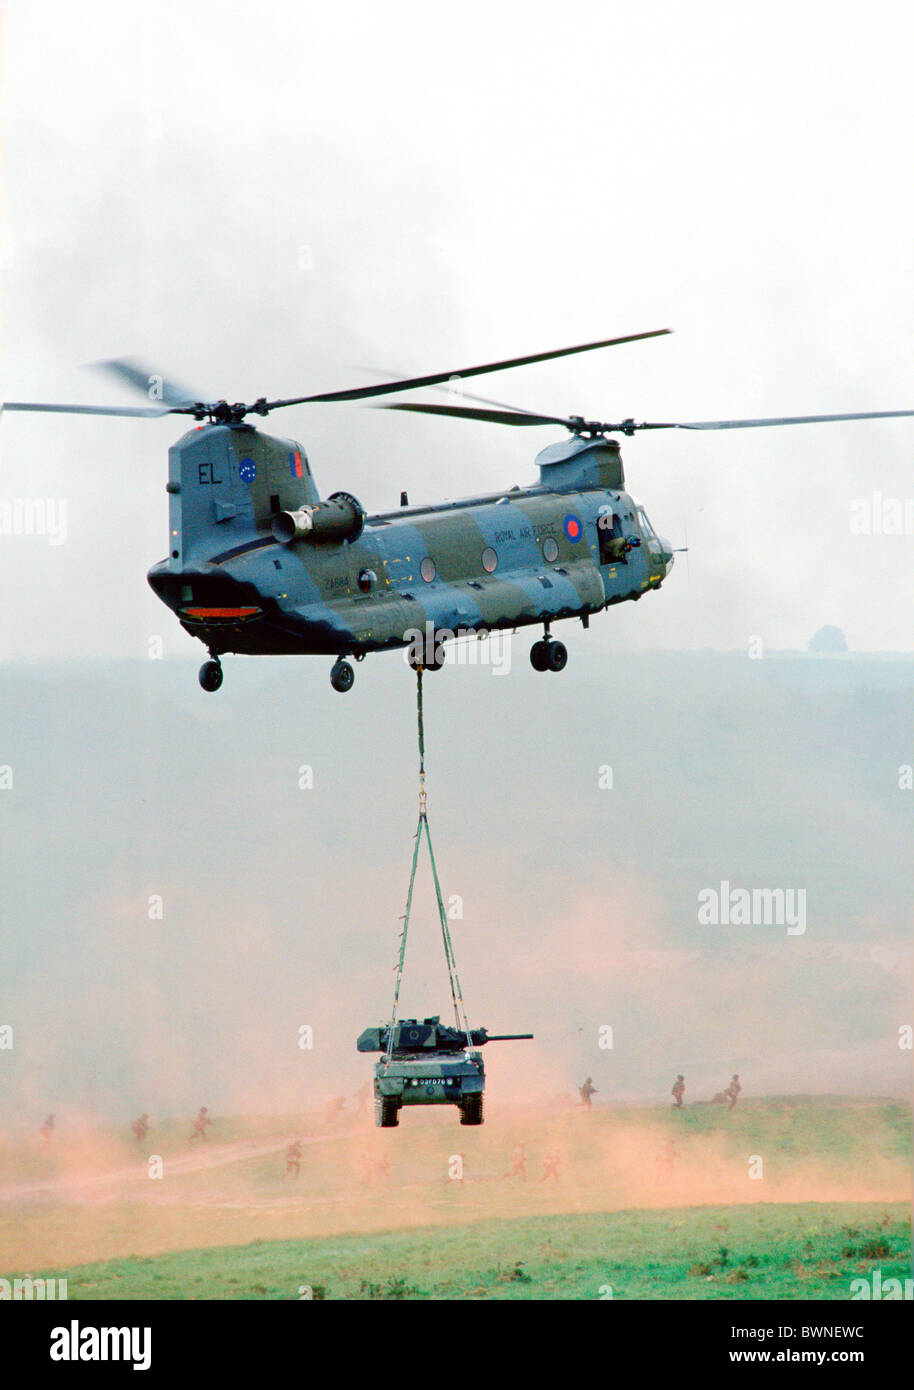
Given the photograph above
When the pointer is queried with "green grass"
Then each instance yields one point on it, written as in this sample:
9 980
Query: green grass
809 1251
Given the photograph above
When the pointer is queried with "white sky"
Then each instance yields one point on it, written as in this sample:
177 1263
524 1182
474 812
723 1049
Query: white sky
471 183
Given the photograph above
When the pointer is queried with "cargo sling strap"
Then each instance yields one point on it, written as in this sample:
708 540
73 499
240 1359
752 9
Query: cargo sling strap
422 829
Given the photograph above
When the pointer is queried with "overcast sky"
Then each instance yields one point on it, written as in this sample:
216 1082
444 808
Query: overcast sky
273 204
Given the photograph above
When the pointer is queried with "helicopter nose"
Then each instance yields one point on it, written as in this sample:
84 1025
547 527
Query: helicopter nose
666 555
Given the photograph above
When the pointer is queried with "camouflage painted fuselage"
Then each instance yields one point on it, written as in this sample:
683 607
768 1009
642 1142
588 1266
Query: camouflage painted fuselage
532 555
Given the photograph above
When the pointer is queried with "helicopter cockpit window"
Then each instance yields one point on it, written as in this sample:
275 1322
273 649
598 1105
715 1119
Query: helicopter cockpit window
650 535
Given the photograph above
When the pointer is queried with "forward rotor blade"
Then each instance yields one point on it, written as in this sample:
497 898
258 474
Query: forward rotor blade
139 376
776 420
388 387
492 417
137 411
458 394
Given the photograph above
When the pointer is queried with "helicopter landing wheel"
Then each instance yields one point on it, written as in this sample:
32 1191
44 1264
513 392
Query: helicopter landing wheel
210 675
342 676
538 656
556 655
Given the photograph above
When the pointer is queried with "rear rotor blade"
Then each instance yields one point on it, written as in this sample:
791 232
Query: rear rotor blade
775 420
388 387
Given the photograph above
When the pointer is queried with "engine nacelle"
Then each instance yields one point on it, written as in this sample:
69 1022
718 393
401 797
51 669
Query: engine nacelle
340 518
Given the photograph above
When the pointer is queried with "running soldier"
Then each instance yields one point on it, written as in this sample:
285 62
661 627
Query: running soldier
200 1123
518 1164
551 1169
586 1091
140 1128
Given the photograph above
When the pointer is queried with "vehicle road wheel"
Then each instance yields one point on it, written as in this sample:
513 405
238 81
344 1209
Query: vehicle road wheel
471 1110
387 1113
538 658
210 675
342 676
556 656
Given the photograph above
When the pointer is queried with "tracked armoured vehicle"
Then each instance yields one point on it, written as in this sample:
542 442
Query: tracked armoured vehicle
429 1064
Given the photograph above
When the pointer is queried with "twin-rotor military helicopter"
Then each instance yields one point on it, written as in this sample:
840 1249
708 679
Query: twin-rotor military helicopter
259 564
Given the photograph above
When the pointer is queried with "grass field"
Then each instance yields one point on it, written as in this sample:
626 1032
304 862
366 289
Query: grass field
806 1251
783 1198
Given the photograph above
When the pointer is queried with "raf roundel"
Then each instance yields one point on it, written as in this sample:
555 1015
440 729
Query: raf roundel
247 470
573 529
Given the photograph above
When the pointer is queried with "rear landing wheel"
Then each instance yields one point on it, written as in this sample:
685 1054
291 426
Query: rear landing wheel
556 656
342 676
538 656
386 1113
210 675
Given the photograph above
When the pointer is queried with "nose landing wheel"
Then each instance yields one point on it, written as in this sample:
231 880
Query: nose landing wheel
210 675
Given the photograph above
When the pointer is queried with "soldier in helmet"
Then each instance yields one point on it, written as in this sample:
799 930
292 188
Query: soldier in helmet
678 1091
733 1091
586 1091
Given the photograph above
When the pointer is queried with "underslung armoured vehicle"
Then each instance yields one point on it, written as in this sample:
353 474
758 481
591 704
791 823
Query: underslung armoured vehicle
429 1064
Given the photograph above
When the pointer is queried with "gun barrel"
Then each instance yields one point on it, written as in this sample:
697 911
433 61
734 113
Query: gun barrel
507 1037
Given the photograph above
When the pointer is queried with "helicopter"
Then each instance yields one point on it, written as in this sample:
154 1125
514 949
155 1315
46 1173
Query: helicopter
260 564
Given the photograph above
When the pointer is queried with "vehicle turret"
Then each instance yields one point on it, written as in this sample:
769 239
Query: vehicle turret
429 1035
